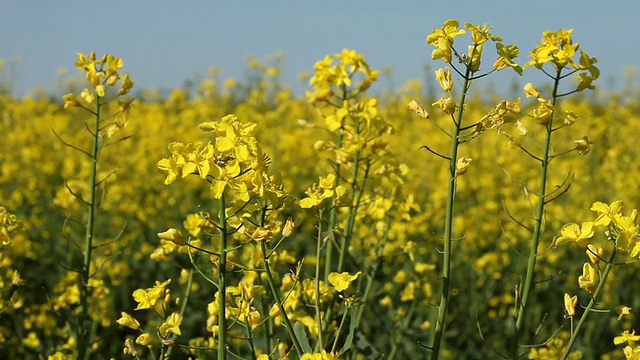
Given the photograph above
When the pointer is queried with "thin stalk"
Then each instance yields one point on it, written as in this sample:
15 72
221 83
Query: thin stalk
448 224
537 227
317 281
269 333
252 347
370 278
348 231
353 210
81 332
342 321
278 300
333 214
222 285
184 301
594 299
333 219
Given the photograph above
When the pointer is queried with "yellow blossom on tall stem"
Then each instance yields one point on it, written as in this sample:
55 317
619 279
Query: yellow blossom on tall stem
588 279
443 76
442 39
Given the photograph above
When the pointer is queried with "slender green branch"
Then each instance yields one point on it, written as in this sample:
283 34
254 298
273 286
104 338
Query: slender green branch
184 300
316 297
372 274
537 228
278 300
353 209
342 321
448 225
82 339
222 285
333 214
594 299
434 152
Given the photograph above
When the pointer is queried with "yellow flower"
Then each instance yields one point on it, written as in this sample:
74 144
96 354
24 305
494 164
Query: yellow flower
506 56
323 355
606 212
148 298
556 47
628 232
100 90
448 105
443 76
144 339
413 105
522 130
594 253
462 165
442 39
128 321
631 353
623 311
570 303
475 54
573 232
127 84
173 235
629 337
130 348
341 281
479 35
323 190
583 146
60 356
531 91
88 96
70 101
288 228
543 112
171 325
587 281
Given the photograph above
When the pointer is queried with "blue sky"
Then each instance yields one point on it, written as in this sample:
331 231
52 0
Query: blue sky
163 43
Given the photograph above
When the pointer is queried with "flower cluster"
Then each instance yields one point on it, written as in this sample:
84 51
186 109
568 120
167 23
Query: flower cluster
443 39
559 49
9 225
623 230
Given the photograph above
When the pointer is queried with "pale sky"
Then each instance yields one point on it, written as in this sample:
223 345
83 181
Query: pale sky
164 43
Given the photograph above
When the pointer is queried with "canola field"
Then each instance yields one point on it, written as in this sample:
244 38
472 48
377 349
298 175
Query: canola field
240 220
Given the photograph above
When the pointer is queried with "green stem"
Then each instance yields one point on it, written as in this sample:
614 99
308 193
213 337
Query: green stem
537 228
353 210
348 231
317 280
342 321
278 300
333 214
594 299
222 286
184 301
81 332
448 224
264 309
372 275
252 347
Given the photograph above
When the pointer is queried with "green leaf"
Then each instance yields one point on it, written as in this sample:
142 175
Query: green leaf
348 342
301 335
364 347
